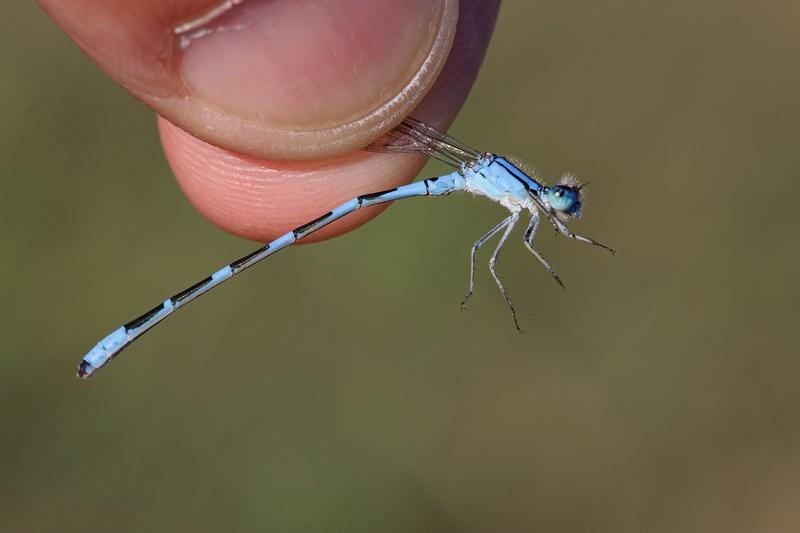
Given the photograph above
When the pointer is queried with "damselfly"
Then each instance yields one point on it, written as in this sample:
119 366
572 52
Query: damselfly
480 173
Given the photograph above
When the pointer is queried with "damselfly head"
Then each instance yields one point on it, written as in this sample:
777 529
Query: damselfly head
563 199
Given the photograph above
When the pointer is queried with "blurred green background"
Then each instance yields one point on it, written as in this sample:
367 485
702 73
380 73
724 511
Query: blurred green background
658 393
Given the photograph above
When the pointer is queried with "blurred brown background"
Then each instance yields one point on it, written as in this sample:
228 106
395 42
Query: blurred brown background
338 387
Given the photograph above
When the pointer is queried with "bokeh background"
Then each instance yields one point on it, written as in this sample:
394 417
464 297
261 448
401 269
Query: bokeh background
339 388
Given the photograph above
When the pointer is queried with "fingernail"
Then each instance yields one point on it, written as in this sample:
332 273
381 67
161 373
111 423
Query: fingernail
301 64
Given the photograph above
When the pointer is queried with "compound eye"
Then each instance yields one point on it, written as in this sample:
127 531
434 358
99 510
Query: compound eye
563 198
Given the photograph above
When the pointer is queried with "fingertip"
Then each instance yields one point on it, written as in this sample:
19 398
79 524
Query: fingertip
260 199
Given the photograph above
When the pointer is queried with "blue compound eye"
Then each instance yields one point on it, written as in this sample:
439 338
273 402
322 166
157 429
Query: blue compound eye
564 199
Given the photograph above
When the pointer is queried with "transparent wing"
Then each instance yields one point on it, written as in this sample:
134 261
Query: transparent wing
414 136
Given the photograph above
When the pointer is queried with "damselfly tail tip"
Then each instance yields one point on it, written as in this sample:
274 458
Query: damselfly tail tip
85 369
103 352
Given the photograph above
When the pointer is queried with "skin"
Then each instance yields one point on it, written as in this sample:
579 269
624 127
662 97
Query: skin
263 109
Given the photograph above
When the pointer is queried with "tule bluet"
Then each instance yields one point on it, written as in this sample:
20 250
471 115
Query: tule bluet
480 173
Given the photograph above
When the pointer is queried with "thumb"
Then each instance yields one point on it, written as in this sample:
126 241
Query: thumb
279 79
